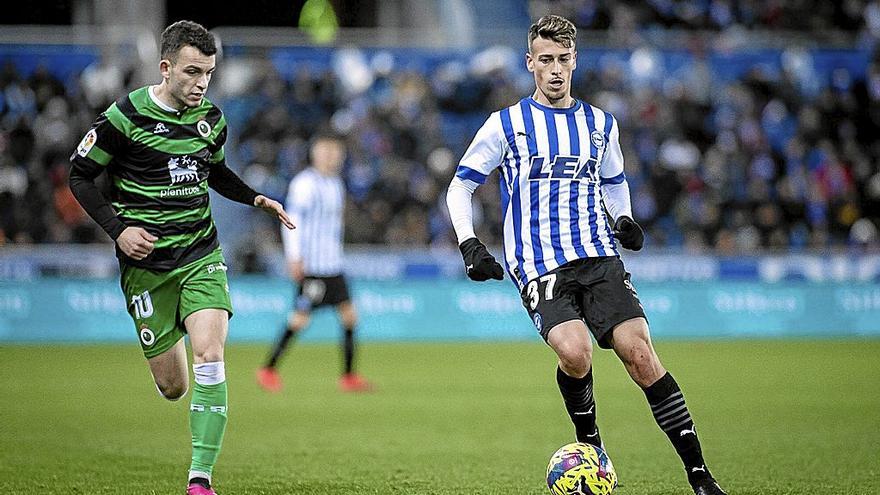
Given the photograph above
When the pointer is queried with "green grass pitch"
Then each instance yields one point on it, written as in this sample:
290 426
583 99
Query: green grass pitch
775 418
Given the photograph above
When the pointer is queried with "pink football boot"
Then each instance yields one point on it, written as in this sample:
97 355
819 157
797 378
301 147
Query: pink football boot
197 489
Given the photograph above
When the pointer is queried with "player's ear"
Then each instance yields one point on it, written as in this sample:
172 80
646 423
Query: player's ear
530 62
165 68
574 60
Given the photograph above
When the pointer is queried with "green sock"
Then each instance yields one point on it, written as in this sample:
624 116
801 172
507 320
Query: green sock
207 422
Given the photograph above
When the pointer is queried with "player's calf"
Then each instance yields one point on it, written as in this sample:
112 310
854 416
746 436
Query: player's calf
632 343
673 417
207 420
577 395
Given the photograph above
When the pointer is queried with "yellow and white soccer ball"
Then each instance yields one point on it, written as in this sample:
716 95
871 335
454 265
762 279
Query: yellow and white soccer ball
580 469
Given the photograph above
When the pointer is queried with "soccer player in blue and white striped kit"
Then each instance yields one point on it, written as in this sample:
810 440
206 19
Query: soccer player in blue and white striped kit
561 168
316 197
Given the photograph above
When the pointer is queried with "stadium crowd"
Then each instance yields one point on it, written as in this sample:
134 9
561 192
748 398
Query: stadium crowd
796 15
772 160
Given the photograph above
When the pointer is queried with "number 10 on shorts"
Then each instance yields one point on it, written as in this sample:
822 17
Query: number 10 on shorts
143 305
535 295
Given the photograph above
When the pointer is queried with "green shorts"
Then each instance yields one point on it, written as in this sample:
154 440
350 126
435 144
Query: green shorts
158 302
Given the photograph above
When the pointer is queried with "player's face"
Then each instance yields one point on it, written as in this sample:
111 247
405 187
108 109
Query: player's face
188 76
328 155
552 64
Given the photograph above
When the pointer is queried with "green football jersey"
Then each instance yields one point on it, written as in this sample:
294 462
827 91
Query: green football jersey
158 162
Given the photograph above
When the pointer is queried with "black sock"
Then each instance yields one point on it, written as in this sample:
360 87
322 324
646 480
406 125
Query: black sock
200 481
672 415
280 347
577 394
348 350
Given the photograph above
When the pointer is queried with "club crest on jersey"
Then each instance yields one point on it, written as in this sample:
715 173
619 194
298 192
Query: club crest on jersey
564 167
147 336
597 139
183 169
204 128
88 141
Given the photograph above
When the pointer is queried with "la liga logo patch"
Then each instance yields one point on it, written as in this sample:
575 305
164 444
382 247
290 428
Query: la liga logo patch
88 141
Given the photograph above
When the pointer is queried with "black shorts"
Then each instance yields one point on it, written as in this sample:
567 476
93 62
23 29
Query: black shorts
315 292
596 291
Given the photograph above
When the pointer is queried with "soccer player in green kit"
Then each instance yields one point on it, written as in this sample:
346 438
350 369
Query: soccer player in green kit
162 147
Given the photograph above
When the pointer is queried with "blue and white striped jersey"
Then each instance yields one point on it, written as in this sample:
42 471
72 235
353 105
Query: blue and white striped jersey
553 163
316 204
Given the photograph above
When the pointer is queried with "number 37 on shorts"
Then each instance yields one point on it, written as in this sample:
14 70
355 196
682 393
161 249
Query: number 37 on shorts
534 292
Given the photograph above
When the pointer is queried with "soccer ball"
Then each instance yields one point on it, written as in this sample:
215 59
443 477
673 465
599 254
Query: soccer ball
580 469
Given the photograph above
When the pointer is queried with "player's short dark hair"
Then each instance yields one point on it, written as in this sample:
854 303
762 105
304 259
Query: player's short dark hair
183 33
553 27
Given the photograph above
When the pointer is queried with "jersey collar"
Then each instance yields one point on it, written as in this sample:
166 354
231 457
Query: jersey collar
571 109
158 102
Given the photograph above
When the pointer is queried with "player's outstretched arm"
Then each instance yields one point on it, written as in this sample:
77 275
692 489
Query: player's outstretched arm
273 207
230 186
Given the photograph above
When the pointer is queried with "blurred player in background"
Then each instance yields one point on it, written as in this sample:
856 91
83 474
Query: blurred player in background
162 147
561 166
316 201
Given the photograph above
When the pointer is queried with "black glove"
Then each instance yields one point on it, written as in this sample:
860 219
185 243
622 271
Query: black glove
479 263
629 233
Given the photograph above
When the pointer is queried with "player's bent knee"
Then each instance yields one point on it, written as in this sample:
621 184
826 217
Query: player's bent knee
575 362
298 321
209 354
171 391
348 316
